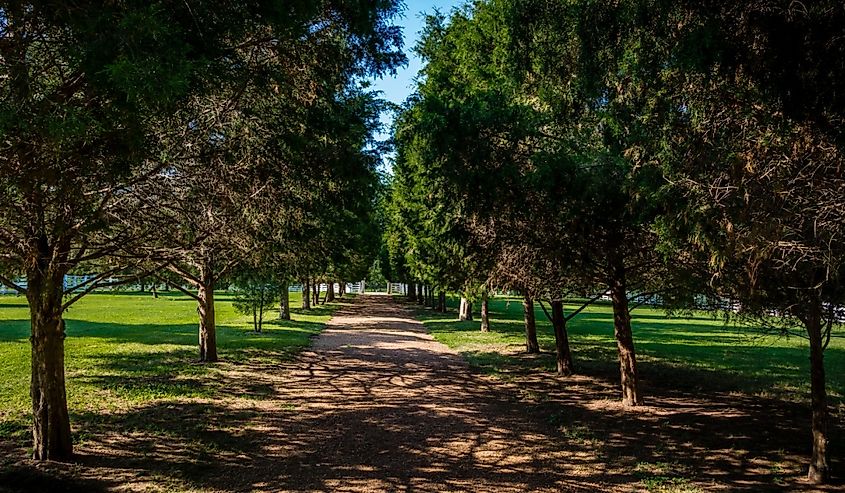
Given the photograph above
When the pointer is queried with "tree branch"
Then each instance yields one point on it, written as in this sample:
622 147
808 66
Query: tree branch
9 283
184 274
98 285
585 305
545 311
176 286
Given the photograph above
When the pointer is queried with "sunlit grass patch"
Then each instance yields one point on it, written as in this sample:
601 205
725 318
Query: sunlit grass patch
126 350
678 352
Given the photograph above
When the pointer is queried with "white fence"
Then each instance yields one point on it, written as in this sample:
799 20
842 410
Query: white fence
397 288
351 287
71 283
77 283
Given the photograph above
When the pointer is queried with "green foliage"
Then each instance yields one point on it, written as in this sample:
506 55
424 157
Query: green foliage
256 291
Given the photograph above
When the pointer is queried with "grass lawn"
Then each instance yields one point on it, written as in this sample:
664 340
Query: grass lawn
685 353
125 350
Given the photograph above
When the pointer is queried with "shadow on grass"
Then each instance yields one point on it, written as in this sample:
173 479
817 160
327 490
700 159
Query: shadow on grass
387 414
13 305
25 480
371 424
677 352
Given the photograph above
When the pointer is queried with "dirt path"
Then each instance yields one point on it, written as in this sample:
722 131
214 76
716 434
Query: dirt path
384 407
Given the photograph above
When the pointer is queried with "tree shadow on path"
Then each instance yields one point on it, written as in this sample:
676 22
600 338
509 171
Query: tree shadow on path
377 405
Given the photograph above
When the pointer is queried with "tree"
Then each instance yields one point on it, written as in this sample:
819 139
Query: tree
441 132
85 89
256 292
756 152
81 85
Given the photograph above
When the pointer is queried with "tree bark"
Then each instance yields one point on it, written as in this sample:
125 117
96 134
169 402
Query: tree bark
316 292
420 294
306 294
284 302
255 319
624 340
485 313
531 344
465 311
565 367
819 472
441 302
329 291
205 309
50 421
261 311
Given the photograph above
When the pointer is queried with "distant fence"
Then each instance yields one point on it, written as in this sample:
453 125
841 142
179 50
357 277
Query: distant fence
73 283
351 287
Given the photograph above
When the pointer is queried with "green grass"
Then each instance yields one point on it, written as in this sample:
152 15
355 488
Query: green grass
683 352
126 349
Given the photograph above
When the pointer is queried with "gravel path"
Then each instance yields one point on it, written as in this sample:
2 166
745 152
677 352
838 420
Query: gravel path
384 407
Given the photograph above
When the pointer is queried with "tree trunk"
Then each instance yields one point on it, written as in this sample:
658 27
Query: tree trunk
50 421
441 302
565 366
531 344
155 290
624 340
388 288
329 291
205 309
316 291
485 313
306 294
420 294
261 313
341 289
819 472
284 302
465 311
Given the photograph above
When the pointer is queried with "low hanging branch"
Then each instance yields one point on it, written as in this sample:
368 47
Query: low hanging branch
544 310
646 297
98 285
176 286
11 284
574 313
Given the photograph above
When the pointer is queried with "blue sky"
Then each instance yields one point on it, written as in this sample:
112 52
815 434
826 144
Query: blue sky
397 89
